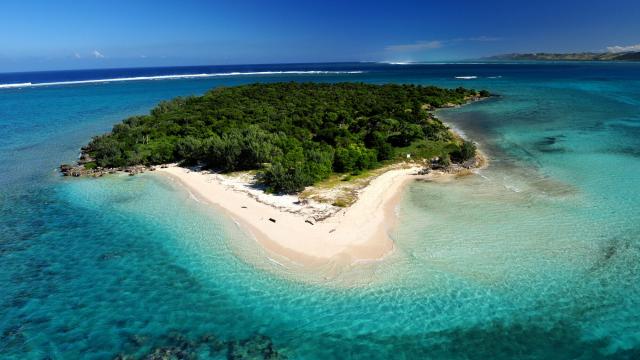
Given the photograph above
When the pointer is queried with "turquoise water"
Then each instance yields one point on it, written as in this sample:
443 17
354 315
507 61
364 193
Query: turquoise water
537 256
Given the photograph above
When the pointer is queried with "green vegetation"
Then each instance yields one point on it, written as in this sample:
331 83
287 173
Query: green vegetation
466 151
295 134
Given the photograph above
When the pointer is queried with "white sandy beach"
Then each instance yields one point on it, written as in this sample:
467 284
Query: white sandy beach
354 234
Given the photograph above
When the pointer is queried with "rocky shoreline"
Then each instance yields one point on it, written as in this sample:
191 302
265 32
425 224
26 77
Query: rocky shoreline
82 171
86 167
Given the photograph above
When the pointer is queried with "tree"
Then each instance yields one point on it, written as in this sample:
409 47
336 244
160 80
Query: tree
465 152
295 134
376 140
354 158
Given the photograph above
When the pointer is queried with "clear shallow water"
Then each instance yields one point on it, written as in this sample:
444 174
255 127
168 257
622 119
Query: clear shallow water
536 257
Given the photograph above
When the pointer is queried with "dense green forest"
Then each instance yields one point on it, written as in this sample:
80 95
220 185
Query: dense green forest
295 134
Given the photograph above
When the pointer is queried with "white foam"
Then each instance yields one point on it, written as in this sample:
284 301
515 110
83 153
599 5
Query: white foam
512 188
457 130
19 85
173 77
466 77
276 262
193 197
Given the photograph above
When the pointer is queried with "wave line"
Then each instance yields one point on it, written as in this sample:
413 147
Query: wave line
173 77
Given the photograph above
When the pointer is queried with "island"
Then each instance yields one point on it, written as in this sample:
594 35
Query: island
582 56
311 170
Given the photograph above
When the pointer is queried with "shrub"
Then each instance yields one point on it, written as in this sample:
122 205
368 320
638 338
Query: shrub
465 152
295 133
354 158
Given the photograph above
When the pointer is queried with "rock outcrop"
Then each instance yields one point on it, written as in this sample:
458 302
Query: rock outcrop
177 346
85 169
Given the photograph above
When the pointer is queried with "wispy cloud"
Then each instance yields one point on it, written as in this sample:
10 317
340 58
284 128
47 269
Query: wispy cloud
76 55
416 46
618 49
97 54
424 45
482 38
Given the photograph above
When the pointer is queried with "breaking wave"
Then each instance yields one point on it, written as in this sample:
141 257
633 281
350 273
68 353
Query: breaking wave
173 77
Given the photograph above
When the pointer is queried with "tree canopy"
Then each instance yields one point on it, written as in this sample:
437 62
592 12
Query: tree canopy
295 134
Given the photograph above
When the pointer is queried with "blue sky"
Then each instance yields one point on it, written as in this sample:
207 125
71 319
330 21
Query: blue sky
64 34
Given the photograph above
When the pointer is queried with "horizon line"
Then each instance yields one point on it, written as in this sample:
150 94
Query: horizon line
382 62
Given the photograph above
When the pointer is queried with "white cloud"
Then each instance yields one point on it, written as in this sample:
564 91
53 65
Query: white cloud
76 55
97 54
417 46
483 38
619 49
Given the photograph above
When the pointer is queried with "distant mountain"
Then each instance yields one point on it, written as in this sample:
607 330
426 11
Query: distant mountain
585 56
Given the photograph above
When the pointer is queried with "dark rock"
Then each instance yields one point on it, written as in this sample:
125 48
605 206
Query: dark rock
215 344
85 158
109 255
170 353
80 170
424 171
256 347
176 346
13 336
471 163
123 357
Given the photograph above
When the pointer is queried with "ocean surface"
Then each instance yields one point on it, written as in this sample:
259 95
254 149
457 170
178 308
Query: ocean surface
535 257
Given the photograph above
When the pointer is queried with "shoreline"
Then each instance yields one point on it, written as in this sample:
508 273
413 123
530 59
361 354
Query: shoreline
304 228
349 235
284 226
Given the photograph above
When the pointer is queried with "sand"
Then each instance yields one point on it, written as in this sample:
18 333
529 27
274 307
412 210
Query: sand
359 233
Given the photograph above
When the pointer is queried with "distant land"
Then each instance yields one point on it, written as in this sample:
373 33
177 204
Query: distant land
583 56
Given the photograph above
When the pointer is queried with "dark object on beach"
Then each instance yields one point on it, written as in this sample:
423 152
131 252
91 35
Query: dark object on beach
272 220
332 230
244 207
424 171
309 222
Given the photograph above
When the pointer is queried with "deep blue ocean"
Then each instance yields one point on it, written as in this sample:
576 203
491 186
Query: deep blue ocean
535 257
